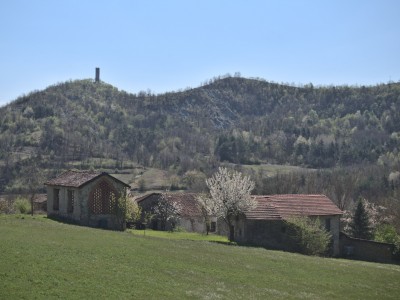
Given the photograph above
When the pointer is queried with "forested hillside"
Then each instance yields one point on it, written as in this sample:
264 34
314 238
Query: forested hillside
230 119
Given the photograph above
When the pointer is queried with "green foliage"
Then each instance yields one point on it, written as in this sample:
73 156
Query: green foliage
387 233
133 211
122 209
360 226
309 236
232 119
77 262
22 205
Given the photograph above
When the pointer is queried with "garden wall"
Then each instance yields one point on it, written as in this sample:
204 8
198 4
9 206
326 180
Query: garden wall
365 249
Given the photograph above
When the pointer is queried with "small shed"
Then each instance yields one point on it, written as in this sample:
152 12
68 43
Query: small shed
87 198
265 225
190 215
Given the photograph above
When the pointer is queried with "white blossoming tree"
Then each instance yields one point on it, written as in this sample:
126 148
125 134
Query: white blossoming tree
167 211
230 192
208 209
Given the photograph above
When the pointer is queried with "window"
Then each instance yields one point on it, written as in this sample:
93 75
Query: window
213 226
328 224
71 200
56 199
103 199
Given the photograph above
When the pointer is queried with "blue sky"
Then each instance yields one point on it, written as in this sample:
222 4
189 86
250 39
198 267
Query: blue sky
168 45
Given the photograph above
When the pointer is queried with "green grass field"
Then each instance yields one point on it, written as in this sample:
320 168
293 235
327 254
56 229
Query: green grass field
42 259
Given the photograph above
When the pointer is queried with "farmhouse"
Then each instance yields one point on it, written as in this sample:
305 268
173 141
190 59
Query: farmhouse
190 216
86 198
265 225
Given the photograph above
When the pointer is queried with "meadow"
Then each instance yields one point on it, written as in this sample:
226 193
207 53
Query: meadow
41 258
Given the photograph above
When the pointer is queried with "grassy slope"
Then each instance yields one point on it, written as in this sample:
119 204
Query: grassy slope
41 258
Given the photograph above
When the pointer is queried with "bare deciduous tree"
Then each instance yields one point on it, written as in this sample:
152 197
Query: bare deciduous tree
342 188
33 178
230 191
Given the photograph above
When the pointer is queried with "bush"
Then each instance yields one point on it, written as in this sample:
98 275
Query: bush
387 233
22 206
308 235
3 207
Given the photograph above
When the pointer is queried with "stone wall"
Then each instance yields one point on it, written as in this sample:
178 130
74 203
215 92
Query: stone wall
81 213
265 233
273 234
366 250
62 211
194 224
334 231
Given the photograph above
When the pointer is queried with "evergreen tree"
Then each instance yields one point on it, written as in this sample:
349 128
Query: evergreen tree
360 226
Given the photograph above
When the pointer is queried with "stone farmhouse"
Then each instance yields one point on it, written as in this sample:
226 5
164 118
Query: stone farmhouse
190 216
86 198
265 225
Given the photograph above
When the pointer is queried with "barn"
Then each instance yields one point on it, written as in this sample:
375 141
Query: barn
86 198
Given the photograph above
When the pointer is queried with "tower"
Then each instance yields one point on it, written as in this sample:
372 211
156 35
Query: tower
97 75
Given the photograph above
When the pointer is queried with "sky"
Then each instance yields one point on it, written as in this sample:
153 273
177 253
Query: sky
168 45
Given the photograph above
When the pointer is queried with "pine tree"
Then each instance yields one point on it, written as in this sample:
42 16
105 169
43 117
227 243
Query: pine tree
360 226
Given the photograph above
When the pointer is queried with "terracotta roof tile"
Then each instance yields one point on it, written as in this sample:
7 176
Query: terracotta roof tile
277 207
73 178
186 201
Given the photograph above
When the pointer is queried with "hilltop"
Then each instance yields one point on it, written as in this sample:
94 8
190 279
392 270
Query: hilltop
232 119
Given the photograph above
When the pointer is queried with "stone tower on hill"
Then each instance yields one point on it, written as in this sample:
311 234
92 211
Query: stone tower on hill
97 79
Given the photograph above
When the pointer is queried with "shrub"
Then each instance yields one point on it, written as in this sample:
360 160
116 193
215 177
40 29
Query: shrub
308 235
22 206
387 233
3 207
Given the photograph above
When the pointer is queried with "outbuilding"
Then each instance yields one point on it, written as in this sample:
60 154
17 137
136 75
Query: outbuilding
86 198
190 218
265 224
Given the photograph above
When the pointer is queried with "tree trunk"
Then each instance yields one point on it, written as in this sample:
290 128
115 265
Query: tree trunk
32 197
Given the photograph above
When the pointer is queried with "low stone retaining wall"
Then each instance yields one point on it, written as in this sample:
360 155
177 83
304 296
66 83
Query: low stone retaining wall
354 248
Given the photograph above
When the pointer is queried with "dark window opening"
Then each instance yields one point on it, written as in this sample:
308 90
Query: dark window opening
56 199
213 226
328 224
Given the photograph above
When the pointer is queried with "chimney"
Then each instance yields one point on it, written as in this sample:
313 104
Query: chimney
97 75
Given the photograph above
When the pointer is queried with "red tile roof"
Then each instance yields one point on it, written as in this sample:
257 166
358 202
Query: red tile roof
278 207
76 179
187 202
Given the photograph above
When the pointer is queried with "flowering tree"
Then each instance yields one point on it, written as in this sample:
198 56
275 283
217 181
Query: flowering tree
230 192
133 212
208 209
166 211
